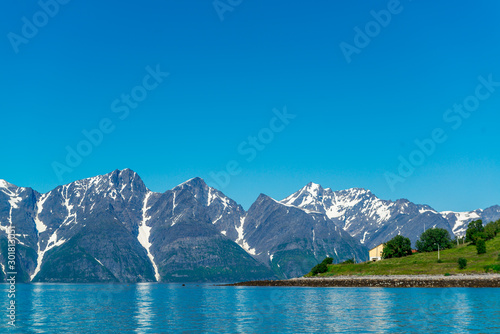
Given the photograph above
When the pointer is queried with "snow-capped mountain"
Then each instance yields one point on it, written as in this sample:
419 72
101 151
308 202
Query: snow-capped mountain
63 212
372 221
460 220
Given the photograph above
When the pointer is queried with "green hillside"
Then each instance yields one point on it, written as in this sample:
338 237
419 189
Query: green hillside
427 263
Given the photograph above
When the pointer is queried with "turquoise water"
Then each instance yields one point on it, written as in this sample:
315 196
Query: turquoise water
172 308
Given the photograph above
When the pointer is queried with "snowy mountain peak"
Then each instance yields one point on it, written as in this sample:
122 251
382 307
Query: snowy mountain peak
309 194
314 197
3 184
127 173
313 188
197 190
6 185
195 182
10 189
117 181
195 187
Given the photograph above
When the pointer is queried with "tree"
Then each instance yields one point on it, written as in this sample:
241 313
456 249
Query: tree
480 246
430 239
462 263
492 229
398 246
475 230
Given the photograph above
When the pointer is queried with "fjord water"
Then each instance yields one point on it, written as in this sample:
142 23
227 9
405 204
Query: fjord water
205 308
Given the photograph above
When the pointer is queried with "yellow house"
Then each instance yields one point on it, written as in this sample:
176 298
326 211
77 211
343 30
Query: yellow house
375 254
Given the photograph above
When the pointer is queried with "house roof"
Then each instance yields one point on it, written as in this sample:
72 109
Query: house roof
376 246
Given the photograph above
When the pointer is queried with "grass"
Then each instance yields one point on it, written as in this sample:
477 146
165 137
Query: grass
427 263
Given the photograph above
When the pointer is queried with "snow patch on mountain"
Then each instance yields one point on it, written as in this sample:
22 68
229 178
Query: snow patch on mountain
145 233
295 207
364 237
8 188
241 240
424 210
40 226
51 243
3 184
71 214
13 200
211 196
461 219
215 221
98 261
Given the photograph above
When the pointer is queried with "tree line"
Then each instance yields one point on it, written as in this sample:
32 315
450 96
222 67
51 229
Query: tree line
438 239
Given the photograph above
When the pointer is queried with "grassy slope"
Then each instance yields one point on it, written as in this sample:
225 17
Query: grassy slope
425 263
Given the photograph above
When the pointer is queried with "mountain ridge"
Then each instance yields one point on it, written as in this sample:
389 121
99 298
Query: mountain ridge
356 209
186 231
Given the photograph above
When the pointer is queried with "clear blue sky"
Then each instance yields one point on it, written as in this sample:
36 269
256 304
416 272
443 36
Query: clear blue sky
353 120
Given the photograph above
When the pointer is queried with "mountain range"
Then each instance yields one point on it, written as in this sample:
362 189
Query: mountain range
112 228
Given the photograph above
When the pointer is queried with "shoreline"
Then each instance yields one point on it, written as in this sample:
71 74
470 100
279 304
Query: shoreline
389 281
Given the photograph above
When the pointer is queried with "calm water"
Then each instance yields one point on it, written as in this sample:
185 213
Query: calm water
171 308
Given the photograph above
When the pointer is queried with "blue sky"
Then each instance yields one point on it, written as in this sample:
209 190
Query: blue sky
353 122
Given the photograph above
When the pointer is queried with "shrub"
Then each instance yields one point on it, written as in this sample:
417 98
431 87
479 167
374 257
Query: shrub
480 246
498 258
398 246
349 261
439 261
462 263
319 269
322 267
492 267
447 274
430 239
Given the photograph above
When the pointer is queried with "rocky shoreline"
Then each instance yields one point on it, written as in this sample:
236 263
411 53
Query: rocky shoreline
396 281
